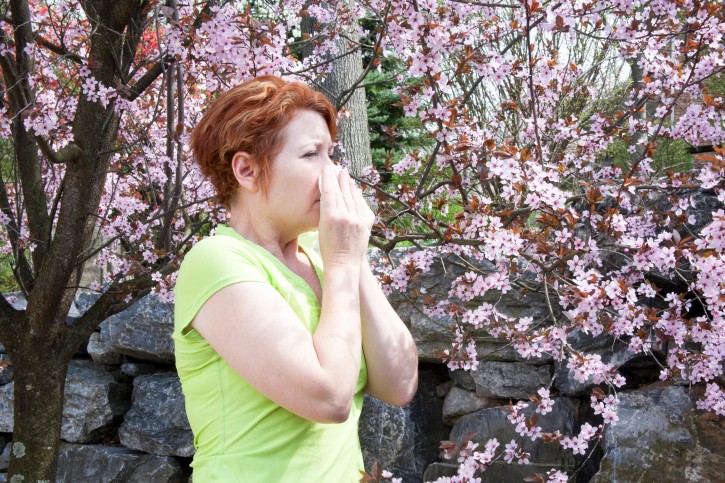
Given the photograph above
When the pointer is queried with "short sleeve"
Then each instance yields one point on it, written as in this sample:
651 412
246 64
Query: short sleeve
211 265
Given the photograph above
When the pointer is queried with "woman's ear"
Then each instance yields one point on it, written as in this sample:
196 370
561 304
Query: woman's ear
245 171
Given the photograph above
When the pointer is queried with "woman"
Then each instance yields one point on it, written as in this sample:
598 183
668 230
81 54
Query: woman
273 352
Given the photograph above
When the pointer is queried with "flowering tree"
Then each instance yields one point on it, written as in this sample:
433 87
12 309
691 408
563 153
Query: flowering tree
99 98
524 121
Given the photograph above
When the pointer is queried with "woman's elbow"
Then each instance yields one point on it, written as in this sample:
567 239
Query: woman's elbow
406 394
337 416
399 395
333 407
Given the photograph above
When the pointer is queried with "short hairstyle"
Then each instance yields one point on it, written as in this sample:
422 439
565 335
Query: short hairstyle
249 117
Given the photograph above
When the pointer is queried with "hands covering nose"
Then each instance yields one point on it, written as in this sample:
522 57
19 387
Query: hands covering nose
345 220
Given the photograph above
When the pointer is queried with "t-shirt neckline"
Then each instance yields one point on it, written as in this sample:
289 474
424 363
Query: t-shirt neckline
227 230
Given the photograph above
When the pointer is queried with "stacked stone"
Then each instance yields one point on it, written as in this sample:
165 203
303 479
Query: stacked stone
660 435
123 418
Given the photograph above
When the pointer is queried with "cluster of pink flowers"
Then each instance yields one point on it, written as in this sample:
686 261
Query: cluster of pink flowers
580 443
590 366
607 407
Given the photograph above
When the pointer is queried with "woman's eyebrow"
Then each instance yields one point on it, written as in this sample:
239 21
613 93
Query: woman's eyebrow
316 144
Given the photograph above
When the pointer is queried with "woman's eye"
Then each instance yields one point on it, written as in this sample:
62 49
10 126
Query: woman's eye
310 154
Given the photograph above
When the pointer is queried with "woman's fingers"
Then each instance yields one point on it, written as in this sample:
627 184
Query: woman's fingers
329 189
339 192
361 205
346 188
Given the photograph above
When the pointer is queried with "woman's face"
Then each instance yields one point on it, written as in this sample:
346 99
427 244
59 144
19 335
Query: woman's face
294 196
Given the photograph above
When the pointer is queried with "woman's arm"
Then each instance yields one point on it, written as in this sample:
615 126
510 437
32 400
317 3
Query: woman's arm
390 352
256 332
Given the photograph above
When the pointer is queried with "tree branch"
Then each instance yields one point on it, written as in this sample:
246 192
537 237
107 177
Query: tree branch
24 272
68 154
132 92
118 297
58 49
490 5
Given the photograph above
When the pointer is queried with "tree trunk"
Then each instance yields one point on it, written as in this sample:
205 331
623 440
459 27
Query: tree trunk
353 124
38 412
39 340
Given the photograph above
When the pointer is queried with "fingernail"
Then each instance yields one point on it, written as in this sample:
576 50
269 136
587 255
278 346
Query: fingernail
319 183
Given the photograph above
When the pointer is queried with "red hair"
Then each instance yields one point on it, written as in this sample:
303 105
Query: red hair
249 118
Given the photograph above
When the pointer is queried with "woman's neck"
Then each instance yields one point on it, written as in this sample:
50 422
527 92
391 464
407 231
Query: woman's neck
259 230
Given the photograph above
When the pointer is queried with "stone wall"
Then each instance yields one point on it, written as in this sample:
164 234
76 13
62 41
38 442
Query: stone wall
660 435
124 417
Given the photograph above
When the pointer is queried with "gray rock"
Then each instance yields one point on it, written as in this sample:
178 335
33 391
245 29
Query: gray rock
705 203
463 379
405 440
585 341
493 423
444 388
460 402
94 400
433 335
5 456
85 299
134 369
143 330
6 407
510 379
6 369
94 463
437 470
156 422
492 349
636 368
498 472
659 433
100 347
387 435
17 300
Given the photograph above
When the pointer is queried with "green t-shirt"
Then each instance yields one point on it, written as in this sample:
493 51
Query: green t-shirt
239 434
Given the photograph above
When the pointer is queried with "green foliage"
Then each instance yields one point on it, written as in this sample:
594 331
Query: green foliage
7 279
7 175
716 86
392 133
673 155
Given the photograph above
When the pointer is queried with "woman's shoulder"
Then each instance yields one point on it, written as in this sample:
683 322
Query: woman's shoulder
218 244
214 262
219 253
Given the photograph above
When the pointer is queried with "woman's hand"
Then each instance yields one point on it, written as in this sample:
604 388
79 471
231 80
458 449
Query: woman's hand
345 220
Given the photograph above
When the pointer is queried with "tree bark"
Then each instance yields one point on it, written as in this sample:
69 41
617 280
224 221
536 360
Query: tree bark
38 413
353 124
39 340
346 74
